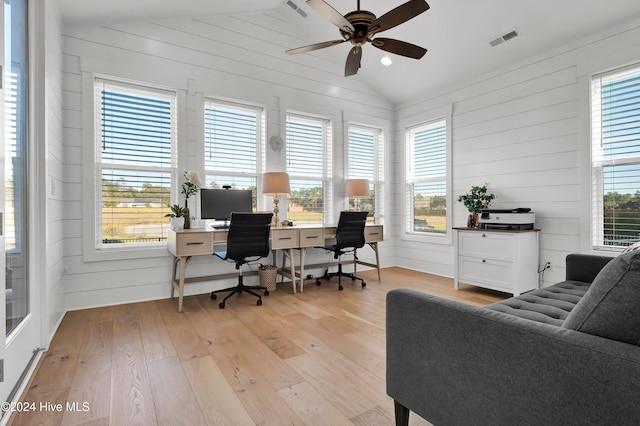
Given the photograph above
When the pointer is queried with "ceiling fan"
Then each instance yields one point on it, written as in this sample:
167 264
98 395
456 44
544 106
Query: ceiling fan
360 26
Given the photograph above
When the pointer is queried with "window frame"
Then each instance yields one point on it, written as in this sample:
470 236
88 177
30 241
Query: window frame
260 146
440 114
91 170
379 170
327 162
598 162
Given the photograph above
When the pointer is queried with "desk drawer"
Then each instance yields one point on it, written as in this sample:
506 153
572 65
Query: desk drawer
283 238
194 243
313 237
373 233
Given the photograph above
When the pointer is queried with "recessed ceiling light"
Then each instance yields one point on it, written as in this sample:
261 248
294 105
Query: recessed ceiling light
386 61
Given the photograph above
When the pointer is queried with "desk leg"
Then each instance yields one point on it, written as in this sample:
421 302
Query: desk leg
173 274
289 254
376 265
374 246
184 261
302 252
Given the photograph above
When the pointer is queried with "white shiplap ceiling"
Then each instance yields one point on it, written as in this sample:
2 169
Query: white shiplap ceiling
455 32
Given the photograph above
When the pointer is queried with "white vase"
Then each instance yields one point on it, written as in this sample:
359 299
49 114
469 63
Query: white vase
177 223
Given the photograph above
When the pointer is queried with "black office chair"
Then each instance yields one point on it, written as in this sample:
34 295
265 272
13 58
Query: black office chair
248 238
349 237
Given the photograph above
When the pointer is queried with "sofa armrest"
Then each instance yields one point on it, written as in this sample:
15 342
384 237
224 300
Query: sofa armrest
584 267
453 363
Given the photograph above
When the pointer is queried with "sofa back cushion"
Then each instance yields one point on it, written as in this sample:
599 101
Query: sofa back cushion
611 306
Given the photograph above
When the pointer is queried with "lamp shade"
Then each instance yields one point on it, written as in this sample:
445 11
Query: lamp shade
275 183
357 187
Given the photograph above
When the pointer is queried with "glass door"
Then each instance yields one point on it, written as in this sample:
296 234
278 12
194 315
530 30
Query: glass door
21 326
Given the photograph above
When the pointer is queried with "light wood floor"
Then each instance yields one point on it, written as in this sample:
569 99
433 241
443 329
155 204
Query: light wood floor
315 358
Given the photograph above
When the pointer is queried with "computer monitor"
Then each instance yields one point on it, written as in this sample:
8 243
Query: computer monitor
218 204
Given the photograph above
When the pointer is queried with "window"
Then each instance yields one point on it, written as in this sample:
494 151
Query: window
365 160
426 179
309 167
615 130
233 147
135 163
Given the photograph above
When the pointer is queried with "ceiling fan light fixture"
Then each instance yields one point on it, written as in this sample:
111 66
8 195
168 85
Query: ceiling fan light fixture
386 61
359 28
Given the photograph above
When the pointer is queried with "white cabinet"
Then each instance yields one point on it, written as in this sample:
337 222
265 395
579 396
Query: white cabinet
500 260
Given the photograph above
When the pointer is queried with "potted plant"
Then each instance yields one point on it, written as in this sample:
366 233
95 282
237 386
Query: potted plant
189 187
177 216
475 200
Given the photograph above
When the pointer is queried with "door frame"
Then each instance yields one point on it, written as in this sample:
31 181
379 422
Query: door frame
37 319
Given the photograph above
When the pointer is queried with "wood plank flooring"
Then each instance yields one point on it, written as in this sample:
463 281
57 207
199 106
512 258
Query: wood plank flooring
312 358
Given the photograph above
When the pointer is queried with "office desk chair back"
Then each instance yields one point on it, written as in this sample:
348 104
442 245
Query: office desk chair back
247 240
349 238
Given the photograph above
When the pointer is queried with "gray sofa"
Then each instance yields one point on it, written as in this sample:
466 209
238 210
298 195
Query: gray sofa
563 355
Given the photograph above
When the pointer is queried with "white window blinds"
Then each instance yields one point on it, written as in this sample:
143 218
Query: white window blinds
615 129
309 166
135 138
233 145
426 178
365 160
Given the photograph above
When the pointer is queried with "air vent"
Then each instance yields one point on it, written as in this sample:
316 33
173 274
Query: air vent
505 37
295 7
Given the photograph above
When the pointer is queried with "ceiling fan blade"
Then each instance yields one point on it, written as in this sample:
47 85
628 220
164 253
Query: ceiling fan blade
397 16
331 15
353 61
312 47
399 47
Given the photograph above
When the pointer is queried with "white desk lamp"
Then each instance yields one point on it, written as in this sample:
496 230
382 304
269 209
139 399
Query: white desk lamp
274 183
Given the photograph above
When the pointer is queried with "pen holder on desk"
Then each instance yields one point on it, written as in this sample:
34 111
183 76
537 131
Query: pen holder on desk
267 275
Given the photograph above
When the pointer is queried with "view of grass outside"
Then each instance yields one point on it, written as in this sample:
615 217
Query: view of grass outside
134 224
621 219
429 213
146 222
132 213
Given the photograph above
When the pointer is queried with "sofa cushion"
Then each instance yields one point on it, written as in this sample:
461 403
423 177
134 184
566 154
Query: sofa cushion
611 307
549 305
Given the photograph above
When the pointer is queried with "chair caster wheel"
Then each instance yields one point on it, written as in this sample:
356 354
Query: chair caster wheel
318 282
353 278
259 302
266 293
340 288
364 284
214 296
221 305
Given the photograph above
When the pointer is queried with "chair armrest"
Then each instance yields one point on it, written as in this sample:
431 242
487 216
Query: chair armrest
458 364
584 267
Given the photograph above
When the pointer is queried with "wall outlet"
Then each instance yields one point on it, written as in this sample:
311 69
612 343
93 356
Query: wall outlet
546 265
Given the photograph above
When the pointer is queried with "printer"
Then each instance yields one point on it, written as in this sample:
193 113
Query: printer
518 219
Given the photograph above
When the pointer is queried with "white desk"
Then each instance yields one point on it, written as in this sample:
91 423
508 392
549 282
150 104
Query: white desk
198 242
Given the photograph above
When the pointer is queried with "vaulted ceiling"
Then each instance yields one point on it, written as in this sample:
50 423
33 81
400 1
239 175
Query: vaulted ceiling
456 33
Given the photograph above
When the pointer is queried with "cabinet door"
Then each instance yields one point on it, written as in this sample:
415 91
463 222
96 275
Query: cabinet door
487 272
487 245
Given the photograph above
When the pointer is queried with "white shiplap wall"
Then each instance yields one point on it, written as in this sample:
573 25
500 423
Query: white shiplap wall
53 301
524 131
236 57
